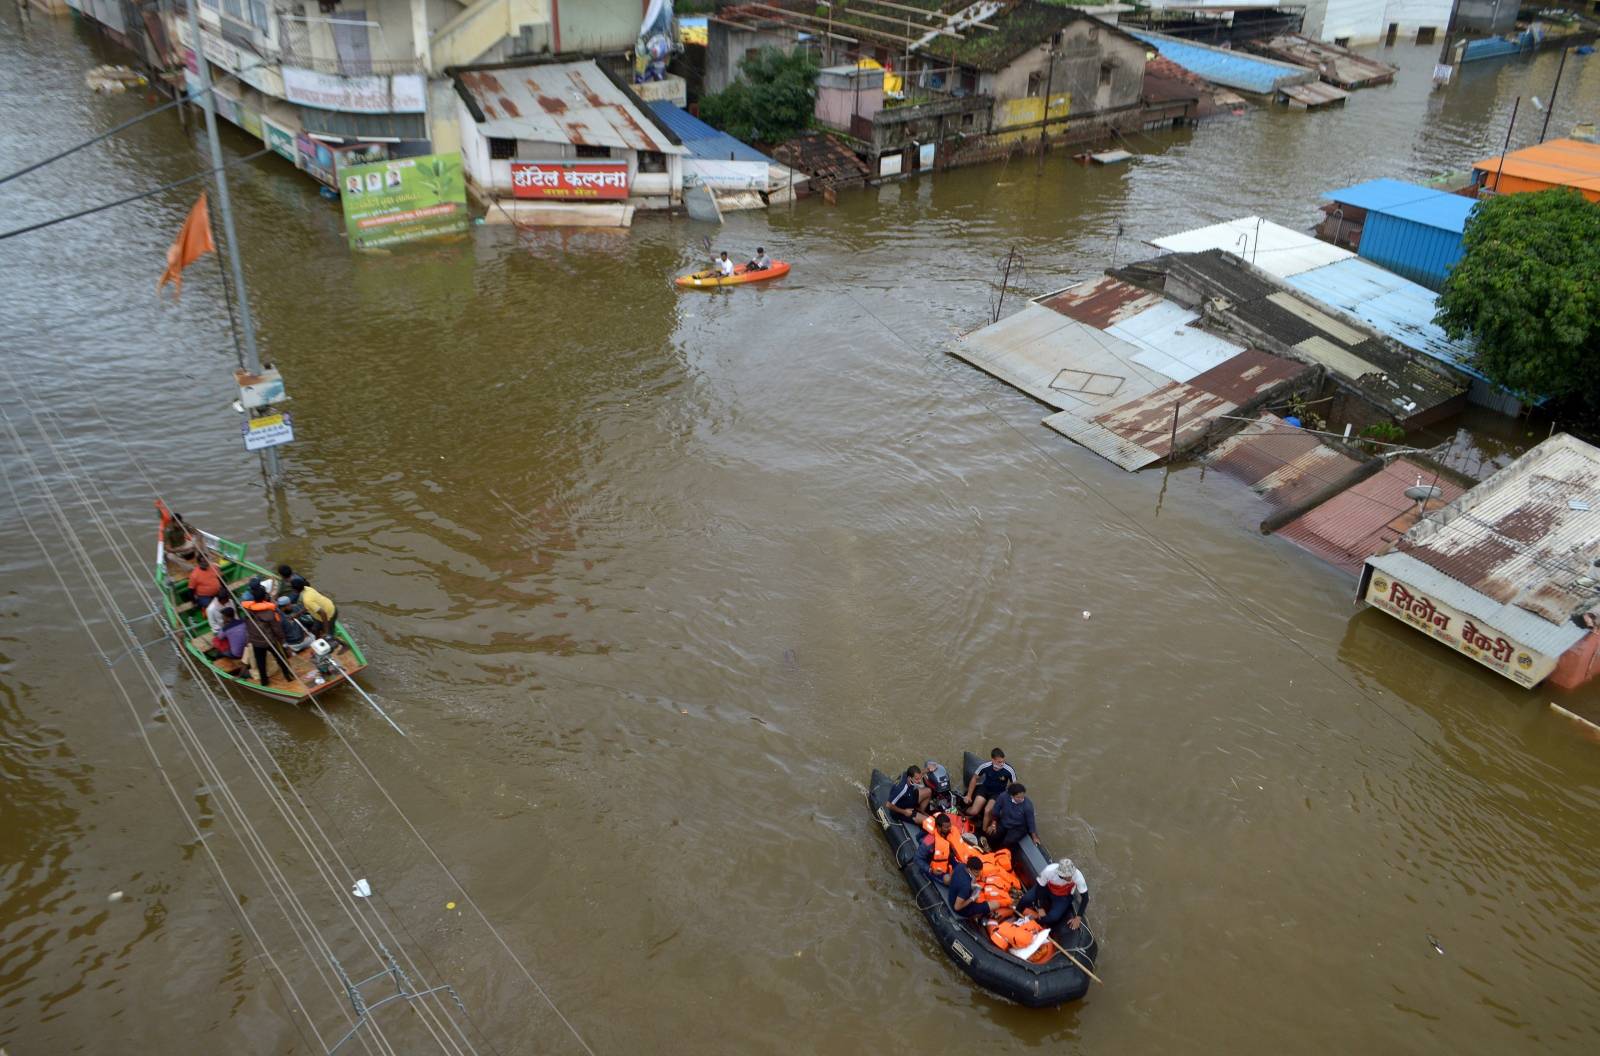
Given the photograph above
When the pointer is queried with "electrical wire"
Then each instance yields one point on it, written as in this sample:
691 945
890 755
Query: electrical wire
202 174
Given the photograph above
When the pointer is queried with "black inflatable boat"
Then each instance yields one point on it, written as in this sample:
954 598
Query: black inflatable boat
1036 985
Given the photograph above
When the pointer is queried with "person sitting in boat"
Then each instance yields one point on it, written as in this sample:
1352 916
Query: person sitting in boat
724 265
295 635
231 640
759 262
938 847
1012 820
175 535
1023 937
964 890
1062 894
988 782
323 612
265 631
214 612
204 583
909 796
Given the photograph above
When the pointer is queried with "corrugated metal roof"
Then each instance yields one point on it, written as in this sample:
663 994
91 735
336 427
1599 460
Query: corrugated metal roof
700 140
563 102
1395 307
1367 517
1527 537
1271 247
1563 162
1281 463
1233 69
1383 193
1058 360
1448 212
1101 302
1164 331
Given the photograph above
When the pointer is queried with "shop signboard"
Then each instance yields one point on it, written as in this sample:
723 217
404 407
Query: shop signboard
279 138
249 67
1463 633
315 157
403 199
401 93
250 121
269 430
569 179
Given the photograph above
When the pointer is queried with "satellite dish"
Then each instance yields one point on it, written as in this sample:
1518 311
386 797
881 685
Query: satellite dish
1423 492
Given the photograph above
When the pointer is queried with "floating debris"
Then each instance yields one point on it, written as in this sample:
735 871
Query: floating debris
1435 944
113 79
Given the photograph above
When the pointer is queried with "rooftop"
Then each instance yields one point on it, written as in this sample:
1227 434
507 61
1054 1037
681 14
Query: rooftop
1408 201
1271 247
1367 517
1232 69
1562 162
700 140
561 102
1283 464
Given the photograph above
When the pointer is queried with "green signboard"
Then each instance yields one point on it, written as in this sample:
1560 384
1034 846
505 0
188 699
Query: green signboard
398 200
279 138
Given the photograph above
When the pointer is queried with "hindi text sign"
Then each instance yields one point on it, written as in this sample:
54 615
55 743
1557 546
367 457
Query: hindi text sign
570 179
1460 632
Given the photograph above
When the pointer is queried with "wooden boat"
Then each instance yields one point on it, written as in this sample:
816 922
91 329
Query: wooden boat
1056 982
313 677
709 279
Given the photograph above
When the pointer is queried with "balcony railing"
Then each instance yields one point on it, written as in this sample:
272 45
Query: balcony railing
350 68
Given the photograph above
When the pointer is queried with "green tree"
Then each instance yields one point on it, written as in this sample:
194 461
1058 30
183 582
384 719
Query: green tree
772 100
1527 289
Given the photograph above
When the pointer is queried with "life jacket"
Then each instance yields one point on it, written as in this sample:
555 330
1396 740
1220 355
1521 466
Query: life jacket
940 865
997 880
1062 890
1024 937
264 611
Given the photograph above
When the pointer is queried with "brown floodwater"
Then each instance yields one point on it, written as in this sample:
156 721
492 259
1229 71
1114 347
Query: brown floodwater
652 581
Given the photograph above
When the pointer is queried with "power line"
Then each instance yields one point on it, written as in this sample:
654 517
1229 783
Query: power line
202 174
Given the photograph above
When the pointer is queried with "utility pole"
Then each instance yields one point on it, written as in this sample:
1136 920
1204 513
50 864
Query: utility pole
247 326
1550 109
1044 126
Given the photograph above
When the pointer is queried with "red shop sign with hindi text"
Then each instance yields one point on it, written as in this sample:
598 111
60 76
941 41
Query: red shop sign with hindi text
575 179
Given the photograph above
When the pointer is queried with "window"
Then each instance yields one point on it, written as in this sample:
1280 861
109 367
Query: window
1033 83
502 149
969 81
1425 34
1105 74
966 120
258 15
1055 38
586 151
1343 42
652 161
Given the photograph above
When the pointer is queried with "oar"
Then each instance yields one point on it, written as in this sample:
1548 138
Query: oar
1086 969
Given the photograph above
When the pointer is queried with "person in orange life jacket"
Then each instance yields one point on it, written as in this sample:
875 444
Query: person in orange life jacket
265 632
1061 894
988 782
1012 820
1019 936
909 796
938 846
964 890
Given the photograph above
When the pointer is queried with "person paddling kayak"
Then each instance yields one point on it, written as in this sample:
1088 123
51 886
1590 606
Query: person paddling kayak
724 265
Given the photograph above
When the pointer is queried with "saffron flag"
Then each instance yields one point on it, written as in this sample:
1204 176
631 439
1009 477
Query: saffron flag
192 242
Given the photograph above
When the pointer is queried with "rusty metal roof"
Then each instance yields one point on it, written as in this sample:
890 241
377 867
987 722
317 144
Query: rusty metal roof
562 102
1102 302
1368 517
1281 463
1527 537
1139 431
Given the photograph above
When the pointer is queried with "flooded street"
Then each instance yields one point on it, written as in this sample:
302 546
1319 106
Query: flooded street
653 580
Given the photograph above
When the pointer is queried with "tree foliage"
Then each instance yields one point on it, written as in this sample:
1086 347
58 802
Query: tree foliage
772 100
1528 290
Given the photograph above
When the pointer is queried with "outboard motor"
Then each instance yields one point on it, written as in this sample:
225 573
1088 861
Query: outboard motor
938 779
322 658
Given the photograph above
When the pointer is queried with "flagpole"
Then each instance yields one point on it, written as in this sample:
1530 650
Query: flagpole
252 359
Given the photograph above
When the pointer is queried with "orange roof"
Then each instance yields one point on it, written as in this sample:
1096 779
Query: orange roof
1560 163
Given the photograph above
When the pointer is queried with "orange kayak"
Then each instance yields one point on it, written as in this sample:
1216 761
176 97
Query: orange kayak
705 280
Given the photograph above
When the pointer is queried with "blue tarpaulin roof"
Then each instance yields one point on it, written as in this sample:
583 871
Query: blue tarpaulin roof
703 141
1409 201
1231 69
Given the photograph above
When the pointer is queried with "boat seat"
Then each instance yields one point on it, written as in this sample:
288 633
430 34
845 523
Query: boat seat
233 588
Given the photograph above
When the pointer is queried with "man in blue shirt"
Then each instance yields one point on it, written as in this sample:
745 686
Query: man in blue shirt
988 786
964 889
909 796
1013 819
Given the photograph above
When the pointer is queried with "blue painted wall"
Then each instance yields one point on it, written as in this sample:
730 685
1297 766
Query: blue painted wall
1421 253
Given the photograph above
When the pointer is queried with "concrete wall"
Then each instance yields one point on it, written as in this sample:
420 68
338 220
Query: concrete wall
1367 21
1097 68
726 47
1488 17
594 26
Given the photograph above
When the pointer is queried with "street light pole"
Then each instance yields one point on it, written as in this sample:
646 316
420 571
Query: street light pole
247 326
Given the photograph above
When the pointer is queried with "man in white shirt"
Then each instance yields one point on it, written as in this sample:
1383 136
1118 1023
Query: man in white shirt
724 265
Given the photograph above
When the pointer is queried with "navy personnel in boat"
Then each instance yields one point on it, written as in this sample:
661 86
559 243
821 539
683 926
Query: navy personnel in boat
1061 894
1012 820
964 889
759 262
909 796
988 784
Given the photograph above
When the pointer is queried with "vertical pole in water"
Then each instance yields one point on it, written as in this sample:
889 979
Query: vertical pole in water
1172 442
1551 107
1044 125
1507 145
1004 280
252 359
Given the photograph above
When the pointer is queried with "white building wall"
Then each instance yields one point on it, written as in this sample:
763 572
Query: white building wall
1368 21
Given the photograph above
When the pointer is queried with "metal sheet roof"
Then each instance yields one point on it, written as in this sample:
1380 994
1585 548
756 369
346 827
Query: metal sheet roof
1058 360
1395 307
1367 517
1100 302
1271 247
563 102
1232 69
1562 162
1383 193
1448 212
1171 344
1283 464
1525 540
700 140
